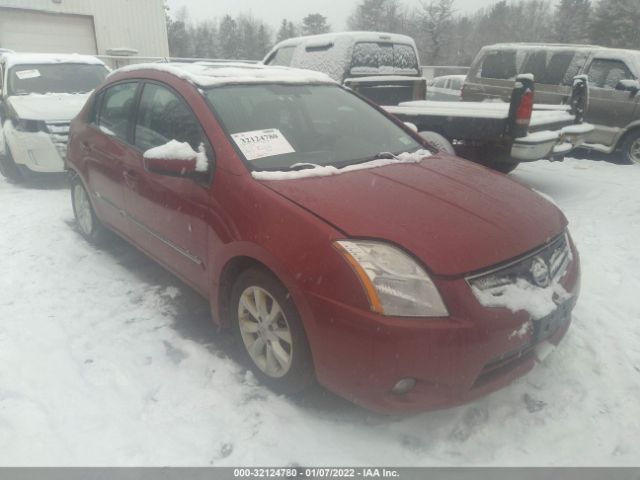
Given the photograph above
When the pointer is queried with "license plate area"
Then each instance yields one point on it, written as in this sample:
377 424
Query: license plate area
547 326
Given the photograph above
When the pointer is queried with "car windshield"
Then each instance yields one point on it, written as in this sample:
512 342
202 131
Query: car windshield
277 127
55 78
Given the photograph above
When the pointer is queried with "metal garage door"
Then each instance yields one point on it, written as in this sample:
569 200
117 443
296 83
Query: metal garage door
28 31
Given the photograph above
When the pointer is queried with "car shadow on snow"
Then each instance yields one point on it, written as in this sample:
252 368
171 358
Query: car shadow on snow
192 320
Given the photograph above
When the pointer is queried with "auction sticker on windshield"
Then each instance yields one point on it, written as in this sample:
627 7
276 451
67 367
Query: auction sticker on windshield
262 143
25 74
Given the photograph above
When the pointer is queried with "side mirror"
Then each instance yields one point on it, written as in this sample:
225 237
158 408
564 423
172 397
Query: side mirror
174 159
632 86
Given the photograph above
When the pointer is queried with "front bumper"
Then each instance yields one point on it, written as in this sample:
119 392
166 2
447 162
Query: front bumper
40 152
477 350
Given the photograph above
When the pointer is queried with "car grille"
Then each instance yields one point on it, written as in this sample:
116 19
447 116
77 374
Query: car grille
540 268
59 133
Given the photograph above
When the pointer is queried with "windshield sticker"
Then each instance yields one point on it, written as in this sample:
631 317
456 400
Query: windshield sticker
25 74
262 143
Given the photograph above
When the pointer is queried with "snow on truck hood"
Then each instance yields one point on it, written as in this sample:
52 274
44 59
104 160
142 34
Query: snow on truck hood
49 107
456 216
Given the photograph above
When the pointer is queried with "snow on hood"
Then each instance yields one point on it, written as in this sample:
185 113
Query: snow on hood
49 58
328 170
49 107
456 216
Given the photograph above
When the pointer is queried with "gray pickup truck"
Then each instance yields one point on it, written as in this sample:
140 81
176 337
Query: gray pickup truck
614 100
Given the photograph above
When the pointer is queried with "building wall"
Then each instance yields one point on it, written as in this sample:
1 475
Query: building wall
138 24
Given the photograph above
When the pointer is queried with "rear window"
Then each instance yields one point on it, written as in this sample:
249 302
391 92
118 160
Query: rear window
370 58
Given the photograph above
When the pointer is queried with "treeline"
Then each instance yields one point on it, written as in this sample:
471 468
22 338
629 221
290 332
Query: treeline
444 35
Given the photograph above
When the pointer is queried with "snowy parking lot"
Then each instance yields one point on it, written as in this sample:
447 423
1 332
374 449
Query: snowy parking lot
107 359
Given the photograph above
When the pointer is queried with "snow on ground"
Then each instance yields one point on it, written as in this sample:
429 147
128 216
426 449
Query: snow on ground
106 359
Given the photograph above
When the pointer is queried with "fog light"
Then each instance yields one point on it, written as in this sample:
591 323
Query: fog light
404 386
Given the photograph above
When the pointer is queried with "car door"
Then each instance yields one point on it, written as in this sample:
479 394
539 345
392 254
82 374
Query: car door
168 215
105 147
610 110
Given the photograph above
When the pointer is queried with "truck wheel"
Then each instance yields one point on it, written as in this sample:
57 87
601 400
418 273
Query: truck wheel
8 167
438 141
503 167
631 148
270 332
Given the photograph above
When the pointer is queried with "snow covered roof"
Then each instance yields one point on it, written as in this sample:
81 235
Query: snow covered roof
208 74
13 59
354 36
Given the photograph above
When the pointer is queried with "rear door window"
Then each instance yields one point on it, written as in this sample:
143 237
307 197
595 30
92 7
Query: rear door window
605 73
500 65
548 67
116 110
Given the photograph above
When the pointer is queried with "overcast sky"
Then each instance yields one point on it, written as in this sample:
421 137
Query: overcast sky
273 11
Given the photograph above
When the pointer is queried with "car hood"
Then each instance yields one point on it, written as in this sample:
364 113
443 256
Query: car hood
49 107
457 217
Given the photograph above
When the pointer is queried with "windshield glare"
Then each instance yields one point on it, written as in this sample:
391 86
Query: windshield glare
279 126
55 78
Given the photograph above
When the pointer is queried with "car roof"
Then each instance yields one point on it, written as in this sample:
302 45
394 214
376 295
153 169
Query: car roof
209 74
48 58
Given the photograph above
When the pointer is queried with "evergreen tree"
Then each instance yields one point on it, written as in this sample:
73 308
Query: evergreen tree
377 15
571 21
314 24
287 30
229 38
615 24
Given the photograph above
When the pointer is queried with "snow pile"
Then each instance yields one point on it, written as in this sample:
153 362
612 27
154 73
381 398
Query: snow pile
522 295
175 150
328 170
108 360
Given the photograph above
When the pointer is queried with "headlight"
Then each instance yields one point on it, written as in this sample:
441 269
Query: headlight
395 284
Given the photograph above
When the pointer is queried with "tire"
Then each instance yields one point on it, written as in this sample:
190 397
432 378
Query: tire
275 349
9 168
503 167
438 141
630 148
88 224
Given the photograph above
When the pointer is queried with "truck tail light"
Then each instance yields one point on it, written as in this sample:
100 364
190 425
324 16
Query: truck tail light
523 114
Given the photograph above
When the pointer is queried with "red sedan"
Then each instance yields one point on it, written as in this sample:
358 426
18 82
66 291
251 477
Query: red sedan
336 243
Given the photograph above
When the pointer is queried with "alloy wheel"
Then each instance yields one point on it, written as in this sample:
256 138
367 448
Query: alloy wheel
265 332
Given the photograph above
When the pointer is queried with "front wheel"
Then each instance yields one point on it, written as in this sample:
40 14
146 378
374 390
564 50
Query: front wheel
631 148
88 224
270 332
8 167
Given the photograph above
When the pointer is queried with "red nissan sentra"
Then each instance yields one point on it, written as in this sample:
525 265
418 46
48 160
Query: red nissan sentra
336 243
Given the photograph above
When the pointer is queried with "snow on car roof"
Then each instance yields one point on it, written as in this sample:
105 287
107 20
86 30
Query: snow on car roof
208 74
13 59
318 40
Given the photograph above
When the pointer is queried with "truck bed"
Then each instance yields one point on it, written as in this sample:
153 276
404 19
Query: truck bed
476 120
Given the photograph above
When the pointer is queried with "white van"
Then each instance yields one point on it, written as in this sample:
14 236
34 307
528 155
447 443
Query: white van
39 96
